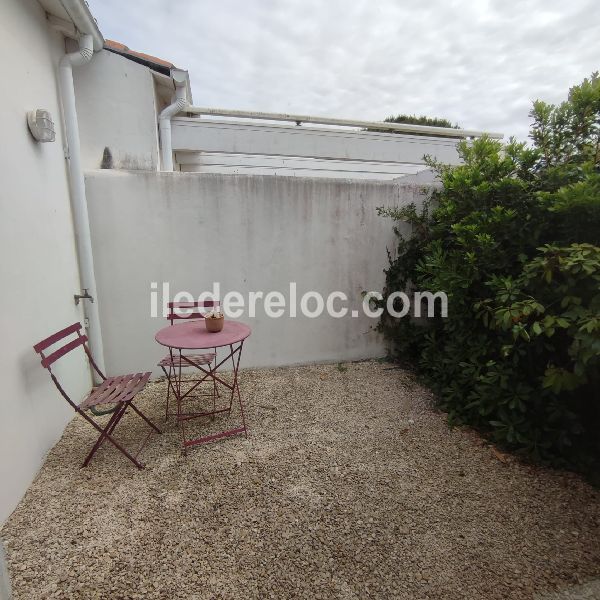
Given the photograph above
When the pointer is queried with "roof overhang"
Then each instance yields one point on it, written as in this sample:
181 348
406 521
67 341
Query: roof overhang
73 18
152 62
165 85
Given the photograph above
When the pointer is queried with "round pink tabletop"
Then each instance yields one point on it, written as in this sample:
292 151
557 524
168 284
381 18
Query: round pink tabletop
192 335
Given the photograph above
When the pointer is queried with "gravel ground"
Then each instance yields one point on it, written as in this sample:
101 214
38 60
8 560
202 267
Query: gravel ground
586 591
349 486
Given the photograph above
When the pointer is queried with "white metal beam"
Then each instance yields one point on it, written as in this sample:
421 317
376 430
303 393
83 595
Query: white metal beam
298 119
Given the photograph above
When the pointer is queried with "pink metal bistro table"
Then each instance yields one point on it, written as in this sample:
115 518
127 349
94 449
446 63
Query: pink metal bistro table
192 335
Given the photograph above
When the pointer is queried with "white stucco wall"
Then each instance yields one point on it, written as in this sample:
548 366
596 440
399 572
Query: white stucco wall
38 269
116 109
250 233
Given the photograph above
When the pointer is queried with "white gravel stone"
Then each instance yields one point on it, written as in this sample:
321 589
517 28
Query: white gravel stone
349 486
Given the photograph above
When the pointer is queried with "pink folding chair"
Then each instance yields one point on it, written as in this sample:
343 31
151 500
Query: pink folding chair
190 311
119 391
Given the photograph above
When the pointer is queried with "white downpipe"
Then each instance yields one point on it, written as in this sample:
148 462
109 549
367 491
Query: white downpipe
164 125
78 198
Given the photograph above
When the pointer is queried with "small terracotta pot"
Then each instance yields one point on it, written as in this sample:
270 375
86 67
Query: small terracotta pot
214 325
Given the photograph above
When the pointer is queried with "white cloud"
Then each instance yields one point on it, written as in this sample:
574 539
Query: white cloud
479 63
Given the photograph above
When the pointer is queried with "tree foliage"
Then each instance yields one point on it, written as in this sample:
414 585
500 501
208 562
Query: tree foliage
513 238
414 120
420 120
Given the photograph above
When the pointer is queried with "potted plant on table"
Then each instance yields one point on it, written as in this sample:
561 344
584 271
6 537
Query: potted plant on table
214 321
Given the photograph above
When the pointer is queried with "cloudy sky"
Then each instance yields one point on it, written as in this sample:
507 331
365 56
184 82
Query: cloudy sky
479 63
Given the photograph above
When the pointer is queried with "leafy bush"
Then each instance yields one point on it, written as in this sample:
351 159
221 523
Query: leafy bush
513 238
414 120
420 120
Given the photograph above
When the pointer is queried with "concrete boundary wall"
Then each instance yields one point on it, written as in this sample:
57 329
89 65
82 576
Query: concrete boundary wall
250 233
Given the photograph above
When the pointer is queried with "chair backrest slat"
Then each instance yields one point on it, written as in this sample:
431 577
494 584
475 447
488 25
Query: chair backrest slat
196 314
61 350
202 304
59 335
190 310
51 358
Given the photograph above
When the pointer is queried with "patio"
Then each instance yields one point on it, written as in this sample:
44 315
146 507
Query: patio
349 486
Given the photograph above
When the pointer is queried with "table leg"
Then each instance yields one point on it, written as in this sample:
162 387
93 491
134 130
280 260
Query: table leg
236 386
235 390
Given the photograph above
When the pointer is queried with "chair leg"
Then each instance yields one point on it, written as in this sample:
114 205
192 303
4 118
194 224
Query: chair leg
168 392
170 388
215 390
106 434
179 407
112 440
141 414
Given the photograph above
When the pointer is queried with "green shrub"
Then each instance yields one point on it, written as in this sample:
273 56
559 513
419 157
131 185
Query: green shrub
415 120
421 120
513 238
